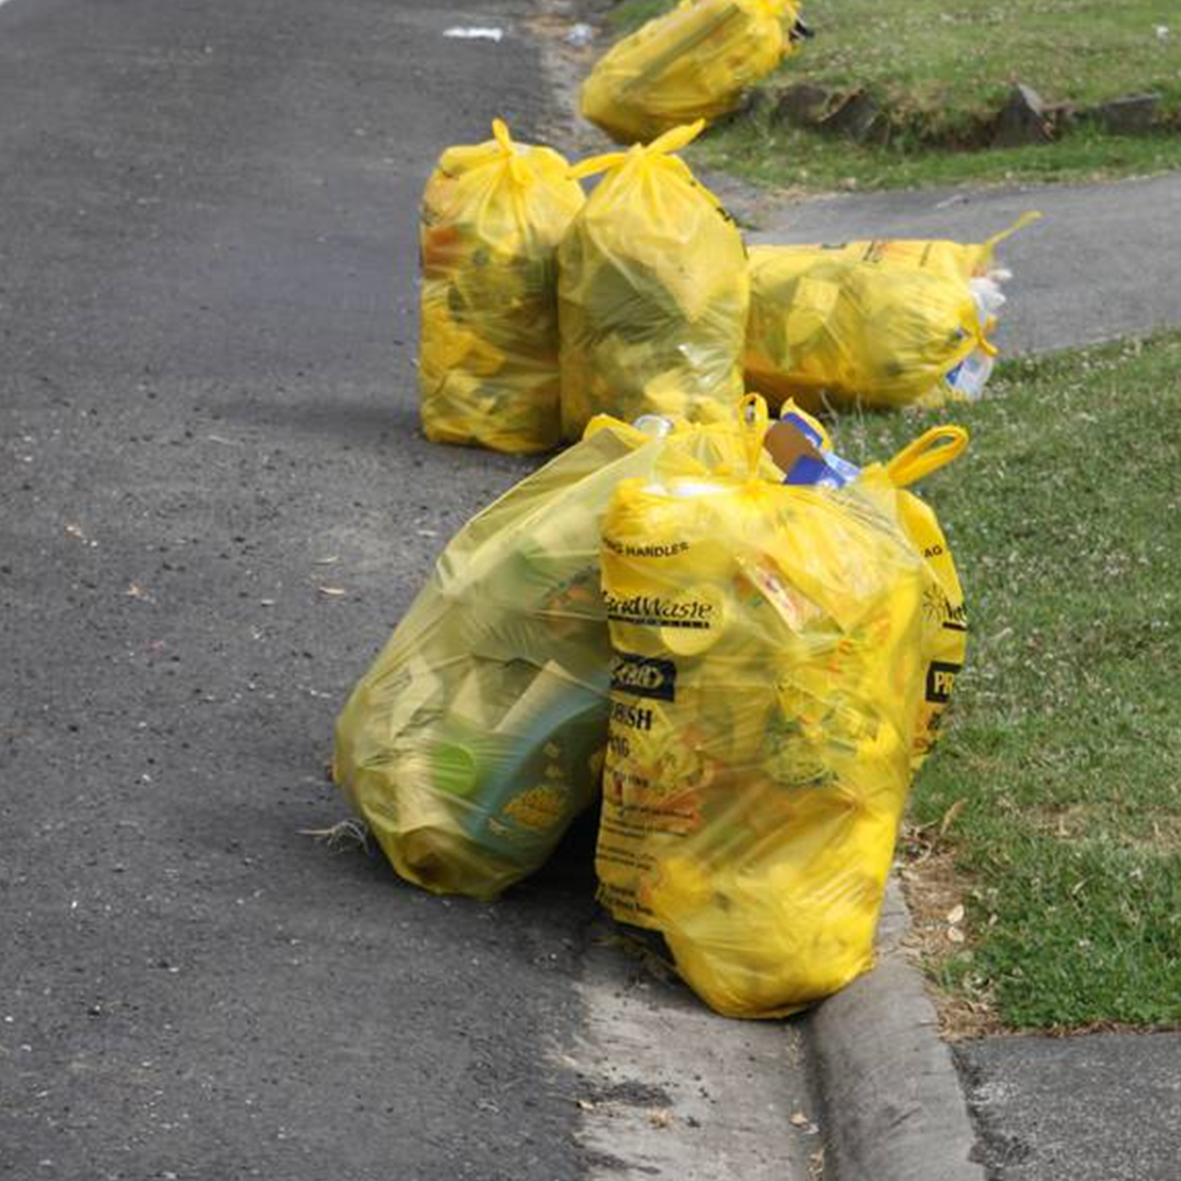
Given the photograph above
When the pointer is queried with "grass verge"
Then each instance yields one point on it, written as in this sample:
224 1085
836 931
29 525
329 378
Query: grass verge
785 157
940 66
1065 746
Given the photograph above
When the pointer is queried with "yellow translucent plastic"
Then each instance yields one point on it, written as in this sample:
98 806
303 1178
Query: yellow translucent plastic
692 63
771 657
492 217
879 323
945 617
478 734
653 293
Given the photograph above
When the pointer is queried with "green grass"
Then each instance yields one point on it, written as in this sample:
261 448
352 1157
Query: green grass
631 14
940 55
939 65
1065 732
786 157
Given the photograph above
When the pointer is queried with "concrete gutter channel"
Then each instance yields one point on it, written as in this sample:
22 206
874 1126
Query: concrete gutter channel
885 1089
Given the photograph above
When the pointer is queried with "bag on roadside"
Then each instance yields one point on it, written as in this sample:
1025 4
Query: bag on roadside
881 324
771 658
691 63
492 217
652 293
477 736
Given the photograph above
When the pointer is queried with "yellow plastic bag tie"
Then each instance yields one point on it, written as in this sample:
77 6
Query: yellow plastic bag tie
928 453
990 244
516 166
1026 219
671 141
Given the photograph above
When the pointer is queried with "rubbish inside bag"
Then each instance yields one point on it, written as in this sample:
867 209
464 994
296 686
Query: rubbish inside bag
876 323
492 217
691 63
772 653
799 444
477 736
653 293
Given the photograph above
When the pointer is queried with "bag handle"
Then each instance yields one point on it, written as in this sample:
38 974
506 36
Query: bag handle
928 453
671 141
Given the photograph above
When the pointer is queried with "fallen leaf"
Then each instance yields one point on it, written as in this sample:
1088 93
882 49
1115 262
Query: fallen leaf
660 1119
135 591
799 1119
955 934
586 1104
949 817
956 914
334 592
816 1164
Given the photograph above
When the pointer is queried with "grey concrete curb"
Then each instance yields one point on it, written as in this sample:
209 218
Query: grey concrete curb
891 1101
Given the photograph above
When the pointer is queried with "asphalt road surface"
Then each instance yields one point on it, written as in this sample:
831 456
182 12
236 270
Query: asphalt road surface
207 416
206 386
1102 1107
208 408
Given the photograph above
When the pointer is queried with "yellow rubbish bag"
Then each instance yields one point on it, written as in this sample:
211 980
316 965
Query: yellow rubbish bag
652 293
492 217
945 615
478 734
692 63
879 323
770 666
